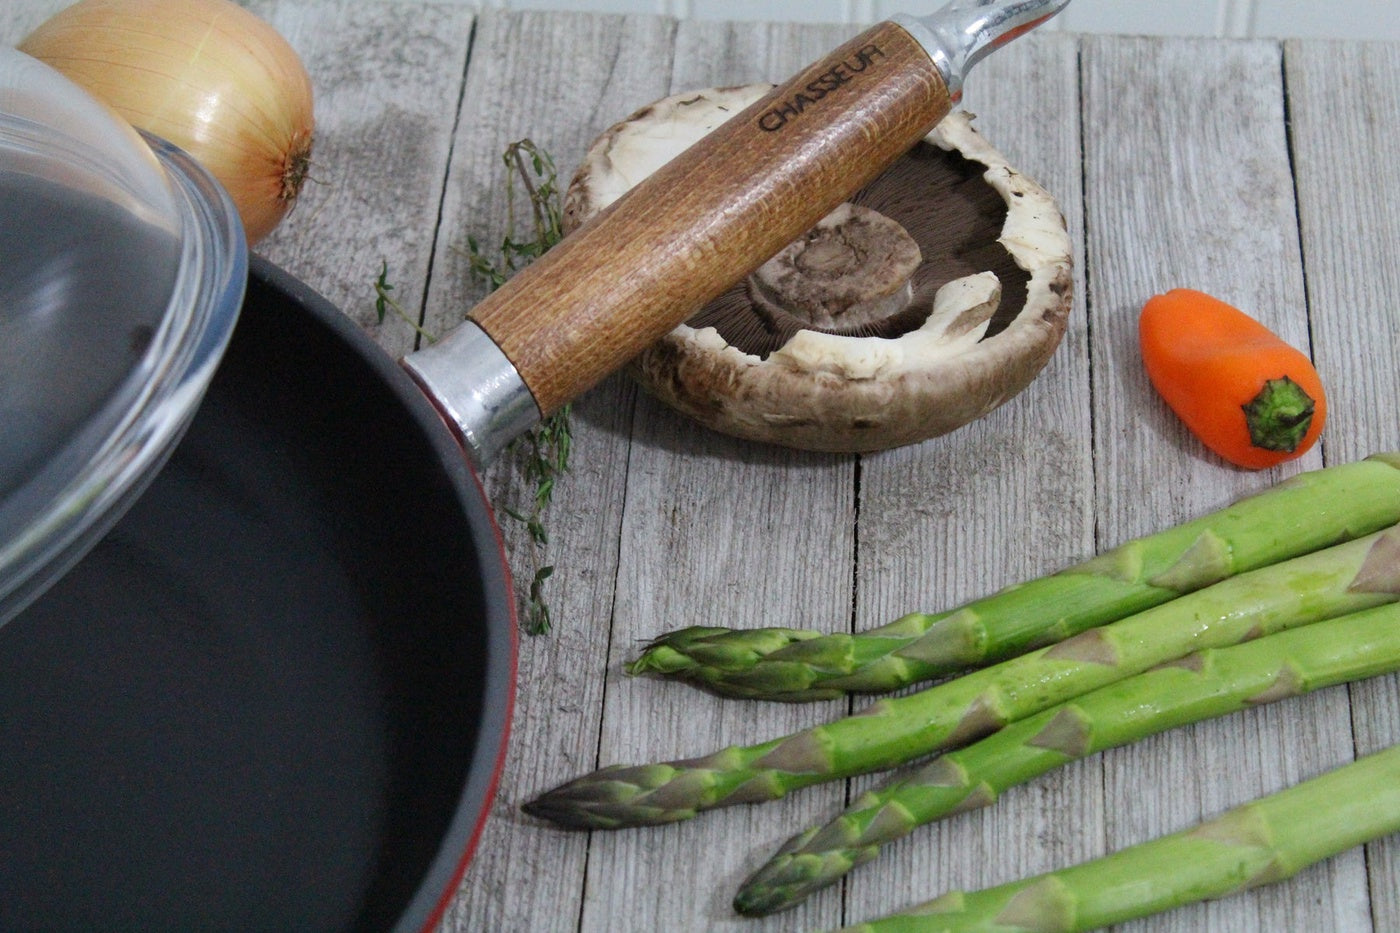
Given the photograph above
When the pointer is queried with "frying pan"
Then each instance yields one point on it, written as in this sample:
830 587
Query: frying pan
276 694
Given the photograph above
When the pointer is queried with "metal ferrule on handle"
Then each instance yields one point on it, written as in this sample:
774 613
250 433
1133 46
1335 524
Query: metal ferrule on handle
964 32
477 389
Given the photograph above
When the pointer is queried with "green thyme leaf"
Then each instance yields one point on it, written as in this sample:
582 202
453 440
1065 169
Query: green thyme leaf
542 455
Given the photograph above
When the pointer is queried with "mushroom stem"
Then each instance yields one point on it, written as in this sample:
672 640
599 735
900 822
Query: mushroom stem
850 271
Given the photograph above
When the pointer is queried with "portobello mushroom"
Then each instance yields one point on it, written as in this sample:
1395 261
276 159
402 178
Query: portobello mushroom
937 293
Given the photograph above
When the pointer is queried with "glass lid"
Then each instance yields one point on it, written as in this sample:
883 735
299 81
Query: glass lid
122 269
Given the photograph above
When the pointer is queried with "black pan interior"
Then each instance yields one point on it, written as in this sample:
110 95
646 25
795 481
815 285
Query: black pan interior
273 697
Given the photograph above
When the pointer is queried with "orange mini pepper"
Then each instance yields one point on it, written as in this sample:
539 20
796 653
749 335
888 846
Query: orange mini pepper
1248 395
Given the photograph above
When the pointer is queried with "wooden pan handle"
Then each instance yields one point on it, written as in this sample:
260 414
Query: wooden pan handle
713 214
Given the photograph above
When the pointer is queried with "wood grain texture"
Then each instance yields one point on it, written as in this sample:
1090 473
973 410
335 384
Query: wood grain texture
1006 498
713 214
1195 190
1350 232
547 77
381 85
711 53
716 531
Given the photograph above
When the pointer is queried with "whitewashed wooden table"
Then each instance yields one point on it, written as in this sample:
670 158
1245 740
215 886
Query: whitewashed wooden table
1264 173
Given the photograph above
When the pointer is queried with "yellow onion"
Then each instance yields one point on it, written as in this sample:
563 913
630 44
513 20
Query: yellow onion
205 75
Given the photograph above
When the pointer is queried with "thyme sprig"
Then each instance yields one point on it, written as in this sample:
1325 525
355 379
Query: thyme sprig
542 457
542 454
535 172
384 303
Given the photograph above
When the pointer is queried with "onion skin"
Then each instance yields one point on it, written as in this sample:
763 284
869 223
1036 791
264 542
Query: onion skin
205 75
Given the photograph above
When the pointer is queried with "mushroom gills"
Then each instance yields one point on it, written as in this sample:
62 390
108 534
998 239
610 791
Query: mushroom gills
874 266
958 317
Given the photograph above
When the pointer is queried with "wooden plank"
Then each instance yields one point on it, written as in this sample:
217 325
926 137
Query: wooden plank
716 531
1187 183
553 78
1004 499
384 86
710 54
1342 107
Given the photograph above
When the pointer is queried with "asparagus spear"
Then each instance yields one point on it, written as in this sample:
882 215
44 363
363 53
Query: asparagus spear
1335 581
1207 683
1299 515
1261 842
